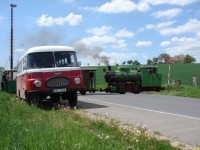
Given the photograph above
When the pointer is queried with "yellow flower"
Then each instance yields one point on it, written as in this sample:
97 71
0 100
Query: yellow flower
198 148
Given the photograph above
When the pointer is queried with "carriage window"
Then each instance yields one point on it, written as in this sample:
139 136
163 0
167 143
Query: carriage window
40 60
151 70
65 59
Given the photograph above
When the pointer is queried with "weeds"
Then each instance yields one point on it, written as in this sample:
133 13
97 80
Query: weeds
27 127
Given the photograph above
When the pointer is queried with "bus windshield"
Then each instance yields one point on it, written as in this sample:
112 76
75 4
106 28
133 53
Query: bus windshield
51 60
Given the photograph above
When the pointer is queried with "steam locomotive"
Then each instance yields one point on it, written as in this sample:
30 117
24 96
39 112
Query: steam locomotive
135 80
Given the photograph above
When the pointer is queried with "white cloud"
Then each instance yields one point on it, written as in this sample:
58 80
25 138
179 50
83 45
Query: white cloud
143 43
44 20
184 46
160 25
165 43
168 14
100 31
117 6
192 26
104 41
125 6
72 19
143 6
170 2
124 33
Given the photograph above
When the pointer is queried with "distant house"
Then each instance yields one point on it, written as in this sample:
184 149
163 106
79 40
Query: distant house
176 59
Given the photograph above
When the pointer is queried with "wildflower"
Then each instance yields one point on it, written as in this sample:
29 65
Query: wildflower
130 148
144 126
107 137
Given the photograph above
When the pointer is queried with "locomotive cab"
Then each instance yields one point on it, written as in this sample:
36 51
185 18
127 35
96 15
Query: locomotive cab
151 79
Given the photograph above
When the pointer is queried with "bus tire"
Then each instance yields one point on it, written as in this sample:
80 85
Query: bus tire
72 98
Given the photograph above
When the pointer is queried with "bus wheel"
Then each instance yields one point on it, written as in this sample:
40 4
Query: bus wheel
72 98
35 100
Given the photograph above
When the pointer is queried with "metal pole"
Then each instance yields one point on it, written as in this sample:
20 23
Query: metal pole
11 42
168 76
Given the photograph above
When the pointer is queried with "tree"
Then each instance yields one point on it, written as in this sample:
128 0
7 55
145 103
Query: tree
149 62
136 62
155 60
2 68
189 59
129 62
177 58
124 63
164 57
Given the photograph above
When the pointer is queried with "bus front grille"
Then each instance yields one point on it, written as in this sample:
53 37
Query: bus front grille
57 82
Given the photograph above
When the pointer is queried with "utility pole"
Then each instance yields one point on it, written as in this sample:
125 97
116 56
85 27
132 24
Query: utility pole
11 39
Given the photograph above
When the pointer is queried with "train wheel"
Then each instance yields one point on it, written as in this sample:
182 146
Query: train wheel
122 89
122 92
72 98
137 89
157 89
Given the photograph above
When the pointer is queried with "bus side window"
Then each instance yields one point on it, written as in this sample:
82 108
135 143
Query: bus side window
24 63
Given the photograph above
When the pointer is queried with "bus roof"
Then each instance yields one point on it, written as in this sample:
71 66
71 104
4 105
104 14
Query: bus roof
47 49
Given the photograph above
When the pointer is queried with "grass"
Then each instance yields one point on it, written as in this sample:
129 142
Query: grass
27 127
184 91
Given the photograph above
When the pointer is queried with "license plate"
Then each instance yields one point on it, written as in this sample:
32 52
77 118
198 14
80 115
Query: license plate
59 90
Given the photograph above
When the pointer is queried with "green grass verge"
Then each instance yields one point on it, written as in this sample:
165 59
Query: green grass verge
184 91
26 127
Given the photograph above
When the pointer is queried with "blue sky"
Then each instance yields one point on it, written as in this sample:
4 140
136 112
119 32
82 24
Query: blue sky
103 31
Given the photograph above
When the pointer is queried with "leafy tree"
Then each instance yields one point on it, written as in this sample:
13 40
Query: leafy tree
124 63
149 62
136 62
177 58
164 57
189 59
155 60
2 68
129 62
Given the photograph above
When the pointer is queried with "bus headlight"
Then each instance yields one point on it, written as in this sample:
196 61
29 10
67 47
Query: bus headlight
77 80
38 83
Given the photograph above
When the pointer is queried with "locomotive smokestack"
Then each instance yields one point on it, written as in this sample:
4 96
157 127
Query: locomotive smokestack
109 68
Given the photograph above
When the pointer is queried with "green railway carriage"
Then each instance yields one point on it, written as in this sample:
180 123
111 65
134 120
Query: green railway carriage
10 85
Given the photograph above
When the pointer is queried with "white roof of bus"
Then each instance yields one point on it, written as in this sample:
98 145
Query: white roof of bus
48 49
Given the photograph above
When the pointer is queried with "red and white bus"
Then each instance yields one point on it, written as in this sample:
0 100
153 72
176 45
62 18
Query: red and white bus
49 72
